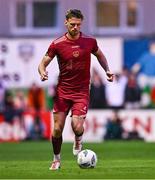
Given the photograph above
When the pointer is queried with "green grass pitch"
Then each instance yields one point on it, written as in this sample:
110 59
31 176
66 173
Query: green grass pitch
116 160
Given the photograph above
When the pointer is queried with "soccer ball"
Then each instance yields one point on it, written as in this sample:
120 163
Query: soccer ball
87 159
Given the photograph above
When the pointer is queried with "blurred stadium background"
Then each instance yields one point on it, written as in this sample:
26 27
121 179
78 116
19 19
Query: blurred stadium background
121 110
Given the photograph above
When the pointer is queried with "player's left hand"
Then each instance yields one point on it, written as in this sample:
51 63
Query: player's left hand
110 76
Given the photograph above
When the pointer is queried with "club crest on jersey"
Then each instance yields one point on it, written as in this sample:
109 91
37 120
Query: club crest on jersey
76 53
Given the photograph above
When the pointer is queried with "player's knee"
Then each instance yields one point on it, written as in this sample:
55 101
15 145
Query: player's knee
77 124
79 132
57 132
78 129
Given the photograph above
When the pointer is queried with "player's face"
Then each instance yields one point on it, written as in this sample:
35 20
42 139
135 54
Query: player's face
73 26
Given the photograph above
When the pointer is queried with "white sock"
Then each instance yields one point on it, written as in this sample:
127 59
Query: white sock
56 157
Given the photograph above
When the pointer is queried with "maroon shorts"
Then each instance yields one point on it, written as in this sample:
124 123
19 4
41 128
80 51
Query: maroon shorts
77 107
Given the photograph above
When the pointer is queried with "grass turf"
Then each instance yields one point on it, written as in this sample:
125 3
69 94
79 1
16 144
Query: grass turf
116 160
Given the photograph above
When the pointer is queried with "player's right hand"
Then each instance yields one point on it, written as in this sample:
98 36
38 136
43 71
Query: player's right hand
44 76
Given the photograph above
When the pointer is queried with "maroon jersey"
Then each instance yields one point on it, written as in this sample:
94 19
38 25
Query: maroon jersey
73 57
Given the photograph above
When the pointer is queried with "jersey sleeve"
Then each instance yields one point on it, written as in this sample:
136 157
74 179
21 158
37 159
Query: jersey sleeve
51 50
95 46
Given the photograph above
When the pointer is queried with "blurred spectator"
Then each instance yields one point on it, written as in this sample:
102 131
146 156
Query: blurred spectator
115 92
37 130
36 98
20 100
13 107
145 67
36 104
114 129
20 105
132 93
9 112
97 92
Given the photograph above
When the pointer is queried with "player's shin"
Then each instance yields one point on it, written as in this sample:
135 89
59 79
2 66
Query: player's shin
78 137
56 143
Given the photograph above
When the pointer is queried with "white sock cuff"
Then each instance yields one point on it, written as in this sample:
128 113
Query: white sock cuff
56 157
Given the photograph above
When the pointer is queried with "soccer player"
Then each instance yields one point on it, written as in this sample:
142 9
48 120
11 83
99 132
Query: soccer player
73 51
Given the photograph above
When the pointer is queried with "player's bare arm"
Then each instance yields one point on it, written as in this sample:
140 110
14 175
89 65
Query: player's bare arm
42 67
103 62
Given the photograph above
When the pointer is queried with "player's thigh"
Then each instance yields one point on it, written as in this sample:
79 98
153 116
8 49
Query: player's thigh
60 110
61 105
79 111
